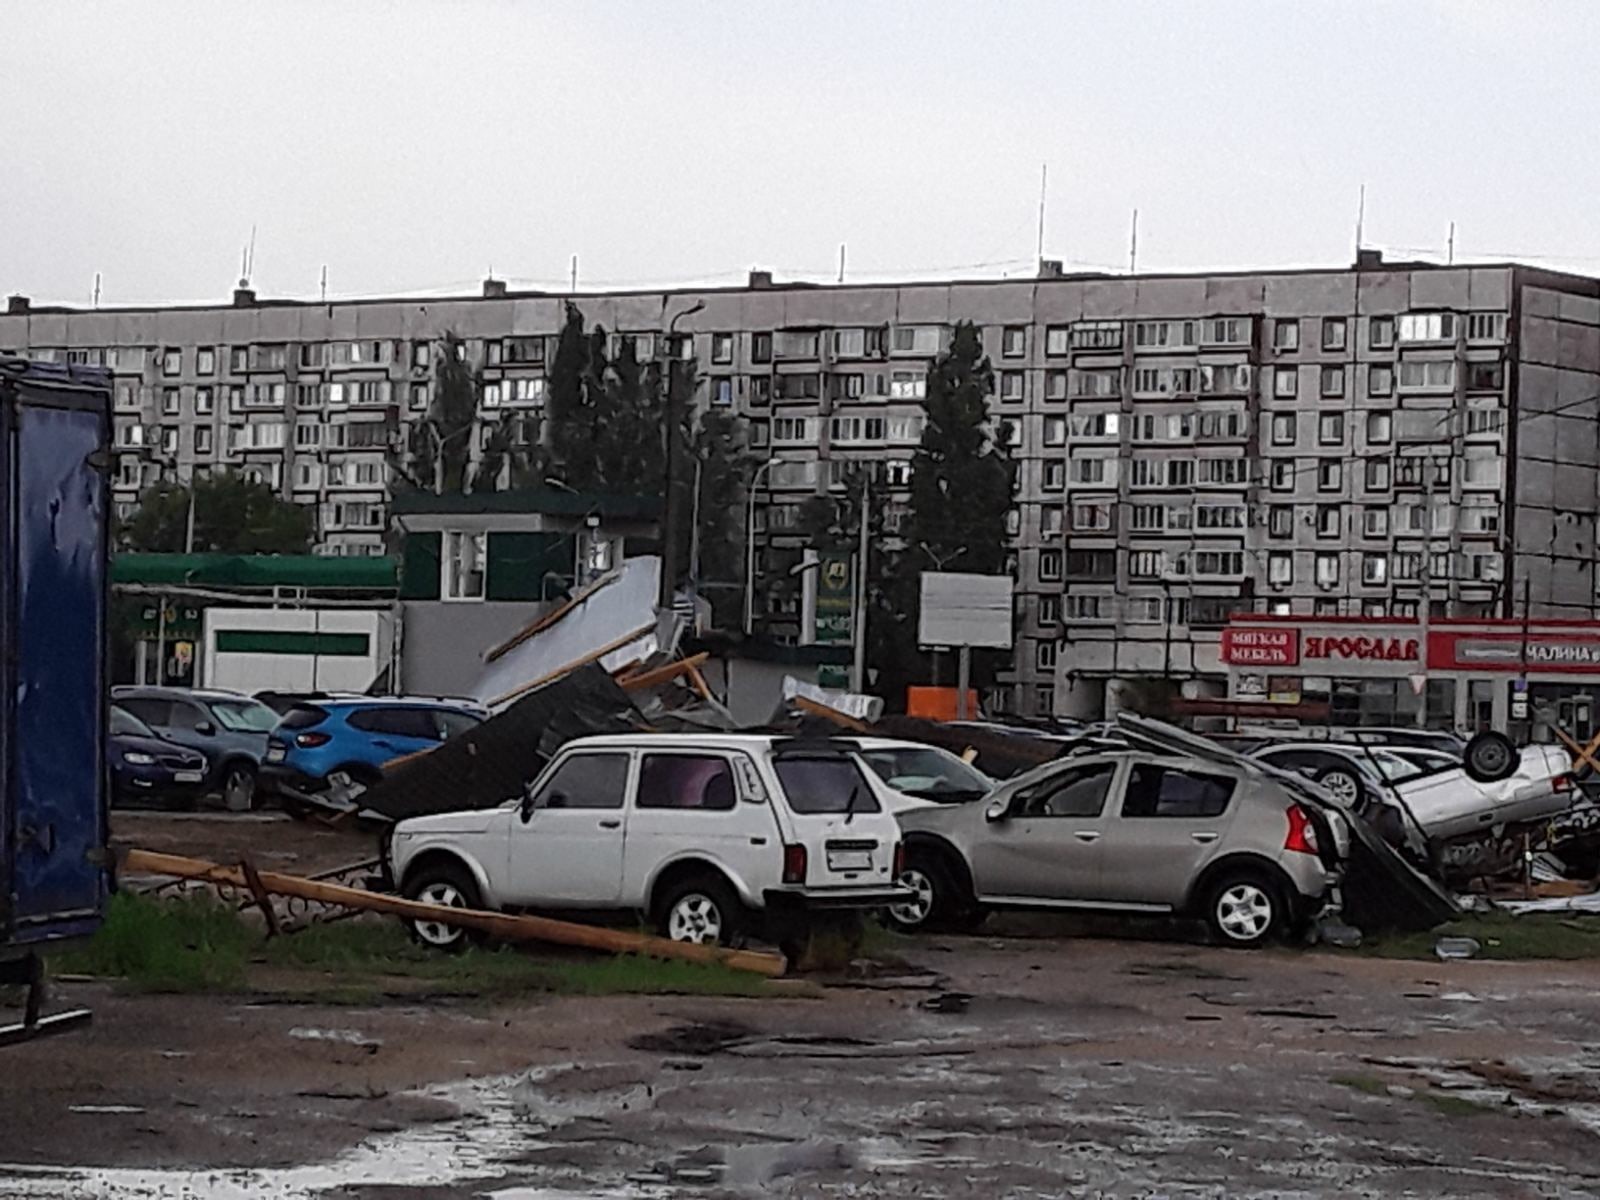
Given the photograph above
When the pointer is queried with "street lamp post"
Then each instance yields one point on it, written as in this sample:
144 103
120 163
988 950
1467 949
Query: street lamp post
750 547
669 513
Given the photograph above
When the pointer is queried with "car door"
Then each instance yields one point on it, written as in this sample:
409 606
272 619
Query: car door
568 853
1171 819
394 732
687 802
189 725
1046 845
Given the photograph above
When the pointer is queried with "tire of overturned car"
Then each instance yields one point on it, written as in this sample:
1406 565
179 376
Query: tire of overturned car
1490 757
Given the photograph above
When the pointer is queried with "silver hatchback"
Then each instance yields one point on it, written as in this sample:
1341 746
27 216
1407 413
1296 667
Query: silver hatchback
1151 826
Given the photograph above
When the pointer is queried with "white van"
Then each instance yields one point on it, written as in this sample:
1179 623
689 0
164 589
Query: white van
704 834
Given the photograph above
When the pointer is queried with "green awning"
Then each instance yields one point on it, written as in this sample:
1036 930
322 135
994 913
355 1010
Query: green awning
257 571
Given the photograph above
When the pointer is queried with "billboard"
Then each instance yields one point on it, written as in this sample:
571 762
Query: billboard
959 609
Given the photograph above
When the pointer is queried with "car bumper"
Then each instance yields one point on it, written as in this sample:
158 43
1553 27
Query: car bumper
276 779
833 899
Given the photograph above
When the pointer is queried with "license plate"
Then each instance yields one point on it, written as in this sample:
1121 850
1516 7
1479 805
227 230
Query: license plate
849 860
275 754
187 776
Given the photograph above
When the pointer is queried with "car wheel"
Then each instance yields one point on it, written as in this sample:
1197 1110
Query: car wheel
702 910
238 788
1244 910
940 902
1343 785
451 887
1490 757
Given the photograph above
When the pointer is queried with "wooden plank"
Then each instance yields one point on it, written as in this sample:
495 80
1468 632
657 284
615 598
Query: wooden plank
805 704
700 684
258 890
662 674
592 656
501 925
540 624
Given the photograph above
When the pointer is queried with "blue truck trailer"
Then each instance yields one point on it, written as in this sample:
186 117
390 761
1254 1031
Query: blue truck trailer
55 434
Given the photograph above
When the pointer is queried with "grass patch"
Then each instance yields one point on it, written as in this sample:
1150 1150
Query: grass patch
1455 1106
1369 1085
1502 936
197 944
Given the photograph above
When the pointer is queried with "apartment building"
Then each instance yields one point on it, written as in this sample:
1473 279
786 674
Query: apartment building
1349 442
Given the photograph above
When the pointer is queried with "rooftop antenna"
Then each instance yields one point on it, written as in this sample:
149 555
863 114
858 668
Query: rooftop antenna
841 262
324 283
97 289
574 273
1361 216
1044 175
1133 246
244 266
250 261
1450 245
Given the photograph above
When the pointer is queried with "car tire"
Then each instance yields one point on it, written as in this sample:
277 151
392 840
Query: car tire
943 903
1345 786
702 910
452 886
238 787
1491 757
1244 909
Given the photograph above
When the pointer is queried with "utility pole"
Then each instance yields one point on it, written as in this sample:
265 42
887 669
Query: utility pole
750 546
858 672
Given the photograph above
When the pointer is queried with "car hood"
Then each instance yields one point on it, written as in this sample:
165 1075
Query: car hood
126 743
471 821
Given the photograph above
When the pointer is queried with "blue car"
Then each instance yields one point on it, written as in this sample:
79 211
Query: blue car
149 769
355 736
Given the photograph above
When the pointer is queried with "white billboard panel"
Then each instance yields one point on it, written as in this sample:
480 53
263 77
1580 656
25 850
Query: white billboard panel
965 610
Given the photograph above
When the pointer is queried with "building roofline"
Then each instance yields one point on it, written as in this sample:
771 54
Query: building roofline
1564 280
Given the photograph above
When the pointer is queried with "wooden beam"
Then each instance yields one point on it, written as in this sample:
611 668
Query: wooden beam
805 704
672 670
592 656
700 684
501 925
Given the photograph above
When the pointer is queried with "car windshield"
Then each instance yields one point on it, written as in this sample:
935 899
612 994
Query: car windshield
125 723
244 716
1394 767
927 772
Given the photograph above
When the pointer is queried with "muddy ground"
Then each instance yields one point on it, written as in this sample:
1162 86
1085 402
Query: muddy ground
1017 1066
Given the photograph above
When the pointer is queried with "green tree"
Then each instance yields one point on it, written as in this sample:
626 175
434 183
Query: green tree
724 463
437 453
232 515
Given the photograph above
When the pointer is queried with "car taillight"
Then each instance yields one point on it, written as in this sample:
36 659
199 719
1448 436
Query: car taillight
1302 833
312 740
794 864
1561 783
899 860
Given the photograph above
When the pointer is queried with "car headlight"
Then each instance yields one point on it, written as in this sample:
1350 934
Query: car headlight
136 759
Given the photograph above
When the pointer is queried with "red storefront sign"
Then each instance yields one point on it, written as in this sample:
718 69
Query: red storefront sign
1361 647
1261 647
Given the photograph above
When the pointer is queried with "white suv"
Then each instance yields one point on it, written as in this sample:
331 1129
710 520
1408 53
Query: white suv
699 832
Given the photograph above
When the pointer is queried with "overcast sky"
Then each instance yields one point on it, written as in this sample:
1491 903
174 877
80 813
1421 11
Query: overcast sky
411 146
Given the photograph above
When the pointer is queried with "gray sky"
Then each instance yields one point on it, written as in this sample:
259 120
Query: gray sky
410 145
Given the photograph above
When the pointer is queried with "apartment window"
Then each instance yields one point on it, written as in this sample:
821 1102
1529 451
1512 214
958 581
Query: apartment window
1281 478
1055 431
1180 472
1208 563
1147 518
1145 610
1102 382
1014 341
1485 420
1380 333
172 362
1327 570
1280 521
1086 518
1011 385
1380 380
908 385
1286 382
1088 470
1013 522
239 360
205 360
1280 568
307 435
1374 569
1486 327
1483 565
1044 653
1330 475
1091 564
1097 335
1049 610
1481 472
464 561
1229 378
1485 376
1157 335
1330 429
1283 429
721 391
1081 607
421 356
1334 333
528 391
794 429
1219 516
1089 425
760 391
1333 381
1055 477
1223 471
1375 522
1222 426
1057 340
1330 520
1050 565
1428 375
1380 428
202 439
916 339
1286 336
1055 385
523 350
419 396
761 347
1377 475
1227 331
1427 327
795 343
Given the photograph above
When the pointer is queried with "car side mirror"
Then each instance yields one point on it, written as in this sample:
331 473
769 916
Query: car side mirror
206 729
525 809
998 810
